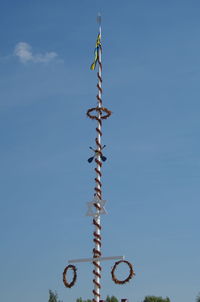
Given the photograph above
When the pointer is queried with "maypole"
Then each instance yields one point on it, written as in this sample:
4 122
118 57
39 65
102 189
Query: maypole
96 206
98 160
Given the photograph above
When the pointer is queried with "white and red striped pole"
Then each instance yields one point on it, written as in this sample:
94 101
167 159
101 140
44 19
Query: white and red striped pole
98 203
97 219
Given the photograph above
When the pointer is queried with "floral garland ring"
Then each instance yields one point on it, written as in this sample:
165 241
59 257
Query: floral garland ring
130 276
73 268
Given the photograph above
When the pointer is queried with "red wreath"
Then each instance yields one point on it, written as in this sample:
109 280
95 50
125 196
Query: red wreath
73 268
130 276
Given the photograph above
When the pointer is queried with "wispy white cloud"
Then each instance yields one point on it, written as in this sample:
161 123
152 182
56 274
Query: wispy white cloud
24 52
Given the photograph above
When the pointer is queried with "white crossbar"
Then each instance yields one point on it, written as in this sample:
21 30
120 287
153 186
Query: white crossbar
96 259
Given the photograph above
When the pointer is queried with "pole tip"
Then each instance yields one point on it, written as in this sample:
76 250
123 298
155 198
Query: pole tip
99 18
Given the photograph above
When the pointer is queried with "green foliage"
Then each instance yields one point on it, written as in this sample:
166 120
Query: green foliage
156 299
108 299
81 300
111 299
53 296
146 299
198 298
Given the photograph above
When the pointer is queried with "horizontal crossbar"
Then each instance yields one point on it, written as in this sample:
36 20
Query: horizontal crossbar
96 259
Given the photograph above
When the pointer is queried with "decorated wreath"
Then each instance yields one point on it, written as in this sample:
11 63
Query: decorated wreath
73 268
101 109
130 276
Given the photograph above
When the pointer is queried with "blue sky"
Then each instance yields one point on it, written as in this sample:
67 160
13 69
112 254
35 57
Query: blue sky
151 74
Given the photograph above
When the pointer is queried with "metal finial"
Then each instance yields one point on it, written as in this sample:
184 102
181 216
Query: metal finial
99 18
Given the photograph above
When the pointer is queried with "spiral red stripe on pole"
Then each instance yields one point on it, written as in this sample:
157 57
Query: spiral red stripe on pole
101 113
